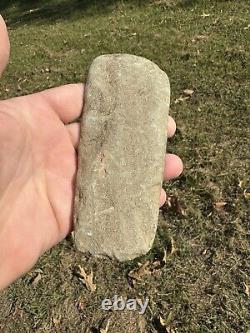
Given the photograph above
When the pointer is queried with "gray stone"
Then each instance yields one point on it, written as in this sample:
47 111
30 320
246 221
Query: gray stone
121 156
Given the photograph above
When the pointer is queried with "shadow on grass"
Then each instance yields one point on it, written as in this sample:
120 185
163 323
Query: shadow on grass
18 12
25 11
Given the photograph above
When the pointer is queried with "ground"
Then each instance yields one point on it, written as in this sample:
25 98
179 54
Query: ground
197 274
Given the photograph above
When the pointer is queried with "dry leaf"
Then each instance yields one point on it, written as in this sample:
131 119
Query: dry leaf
139 273
247 289
162 322
161 325
241 183
188 92
142 324
106 328
169 251
80 306
172 246
156 264
220 204
246 195
177 207
56 321
165 255
37 278
87 279
180 99
205 15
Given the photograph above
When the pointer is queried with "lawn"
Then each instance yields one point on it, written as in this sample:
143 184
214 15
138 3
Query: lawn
197 276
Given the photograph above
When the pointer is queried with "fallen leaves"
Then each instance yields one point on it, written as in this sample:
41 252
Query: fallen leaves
186 94
149 268
87 279
105 327
163 326
167 252
247 289
38 277
219 205
175 205
56 322
246 195
246 192
142 324
241 182
162 322
139 273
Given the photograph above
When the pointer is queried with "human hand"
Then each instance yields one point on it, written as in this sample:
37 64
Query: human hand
38 162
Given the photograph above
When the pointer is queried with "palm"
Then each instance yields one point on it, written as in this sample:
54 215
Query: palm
38 162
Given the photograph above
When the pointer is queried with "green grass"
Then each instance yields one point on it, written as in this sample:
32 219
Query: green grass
201 288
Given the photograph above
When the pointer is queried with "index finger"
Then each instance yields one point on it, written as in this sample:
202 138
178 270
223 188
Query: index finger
4 45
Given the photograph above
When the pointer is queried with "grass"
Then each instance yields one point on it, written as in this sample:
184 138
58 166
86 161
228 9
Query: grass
203 46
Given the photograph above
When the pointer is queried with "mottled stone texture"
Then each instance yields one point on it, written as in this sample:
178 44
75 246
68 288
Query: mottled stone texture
121 156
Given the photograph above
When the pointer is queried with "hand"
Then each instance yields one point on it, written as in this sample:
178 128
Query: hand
38 162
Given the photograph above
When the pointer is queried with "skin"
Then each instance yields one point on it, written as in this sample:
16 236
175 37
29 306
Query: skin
38 164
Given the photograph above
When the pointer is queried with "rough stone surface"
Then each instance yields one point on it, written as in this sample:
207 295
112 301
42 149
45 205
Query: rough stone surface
121 156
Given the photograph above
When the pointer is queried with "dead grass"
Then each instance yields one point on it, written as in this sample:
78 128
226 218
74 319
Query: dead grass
201 285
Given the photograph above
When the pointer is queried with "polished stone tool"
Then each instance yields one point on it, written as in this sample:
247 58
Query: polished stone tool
121 156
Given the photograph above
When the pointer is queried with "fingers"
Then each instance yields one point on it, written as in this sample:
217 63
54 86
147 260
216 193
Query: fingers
4 46
173 166
171 128
163 197
173 163
66 101
74 133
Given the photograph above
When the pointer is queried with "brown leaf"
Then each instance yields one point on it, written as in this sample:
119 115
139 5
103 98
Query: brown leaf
220 204
142 324
80 306
139 273
165 255
156 265
36 279
105 328
180 99
87 279
162 321
176 206
188 92
160 325
241 182
246 194
56 321
247 289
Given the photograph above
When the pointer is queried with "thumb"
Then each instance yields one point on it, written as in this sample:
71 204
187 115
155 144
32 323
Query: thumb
4 45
